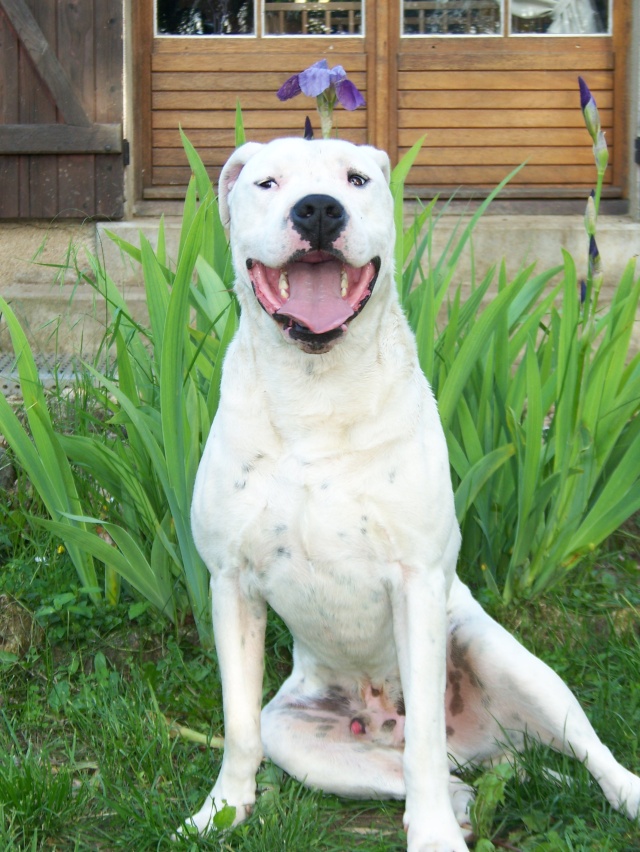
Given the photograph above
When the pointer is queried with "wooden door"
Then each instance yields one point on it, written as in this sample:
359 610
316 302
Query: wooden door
195 81
509 94
490 89
61 108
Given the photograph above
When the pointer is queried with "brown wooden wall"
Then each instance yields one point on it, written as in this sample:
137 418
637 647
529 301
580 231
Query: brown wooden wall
61 108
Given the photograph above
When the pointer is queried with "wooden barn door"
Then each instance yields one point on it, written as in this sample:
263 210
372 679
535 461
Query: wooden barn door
61 108
495 82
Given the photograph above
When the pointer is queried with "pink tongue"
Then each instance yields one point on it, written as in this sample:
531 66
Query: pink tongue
314 296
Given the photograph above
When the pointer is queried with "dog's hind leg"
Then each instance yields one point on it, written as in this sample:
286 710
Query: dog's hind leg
314 743
517 695
319 742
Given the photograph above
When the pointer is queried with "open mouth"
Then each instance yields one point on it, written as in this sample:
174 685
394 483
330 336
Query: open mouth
314 296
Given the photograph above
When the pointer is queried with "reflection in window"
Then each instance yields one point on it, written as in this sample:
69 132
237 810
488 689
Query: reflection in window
309 17
451 17
205 17
559 17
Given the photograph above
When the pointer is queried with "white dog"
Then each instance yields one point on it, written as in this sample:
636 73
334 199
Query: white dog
325 491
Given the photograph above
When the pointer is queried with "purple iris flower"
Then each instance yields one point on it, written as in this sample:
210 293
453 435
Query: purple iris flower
589 110
317 79
308 129
585 93
595 265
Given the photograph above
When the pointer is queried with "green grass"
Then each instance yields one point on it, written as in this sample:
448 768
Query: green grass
88 759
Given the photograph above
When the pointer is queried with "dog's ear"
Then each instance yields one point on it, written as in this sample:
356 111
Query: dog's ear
230 173
381 159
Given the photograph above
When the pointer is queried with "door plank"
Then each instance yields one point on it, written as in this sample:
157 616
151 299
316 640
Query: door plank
503 155
223 81
108 106
194 100
509 54
454 79
498 137
549 119
76 173
478 99
37 107
252 60
252 119
491 175
9 112
225 138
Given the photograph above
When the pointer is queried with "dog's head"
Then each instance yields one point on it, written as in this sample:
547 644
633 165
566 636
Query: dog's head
311 225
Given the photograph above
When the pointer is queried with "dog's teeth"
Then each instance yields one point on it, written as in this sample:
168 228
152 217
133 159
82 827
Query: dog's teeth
344 284
283 285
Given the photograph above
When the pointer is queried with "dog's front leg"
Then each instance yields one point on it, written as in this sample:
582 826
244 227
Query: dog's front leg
239 628
420 630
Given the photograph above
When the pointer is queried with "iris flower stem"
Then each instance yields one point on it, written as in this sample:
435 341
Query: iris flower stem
601 158
587 299
593 293
325 103
599 190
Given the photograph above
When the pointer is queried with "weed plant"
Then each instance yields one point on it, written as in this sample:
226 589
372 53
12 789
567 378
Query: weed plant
538 392
162 392
539 402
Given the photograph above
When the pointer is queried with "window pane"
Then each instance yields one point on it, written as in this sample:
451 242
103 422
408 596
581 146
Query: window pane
452 17
204 17
559 17
299 17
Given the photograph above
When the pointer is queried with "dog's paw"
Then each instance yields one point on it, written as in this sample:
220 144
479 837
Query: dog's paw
437 836
216 814
444 844
627 796
462 797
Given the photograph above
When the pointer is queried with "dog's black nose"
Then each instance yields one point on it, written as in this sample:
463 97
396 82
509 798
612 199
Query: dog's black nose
319 219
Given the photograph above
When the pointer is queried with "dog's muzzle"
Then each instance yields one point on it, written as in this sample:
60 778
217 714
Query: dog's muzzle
313 296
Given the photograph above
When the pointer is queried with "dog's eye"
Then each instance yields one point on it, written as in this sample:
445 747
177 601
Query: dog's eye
356 179
268 183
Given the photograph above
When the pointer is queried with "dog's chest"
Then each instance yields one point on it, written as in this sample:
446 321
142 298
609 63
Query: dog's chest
325 513
314 531
320 549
